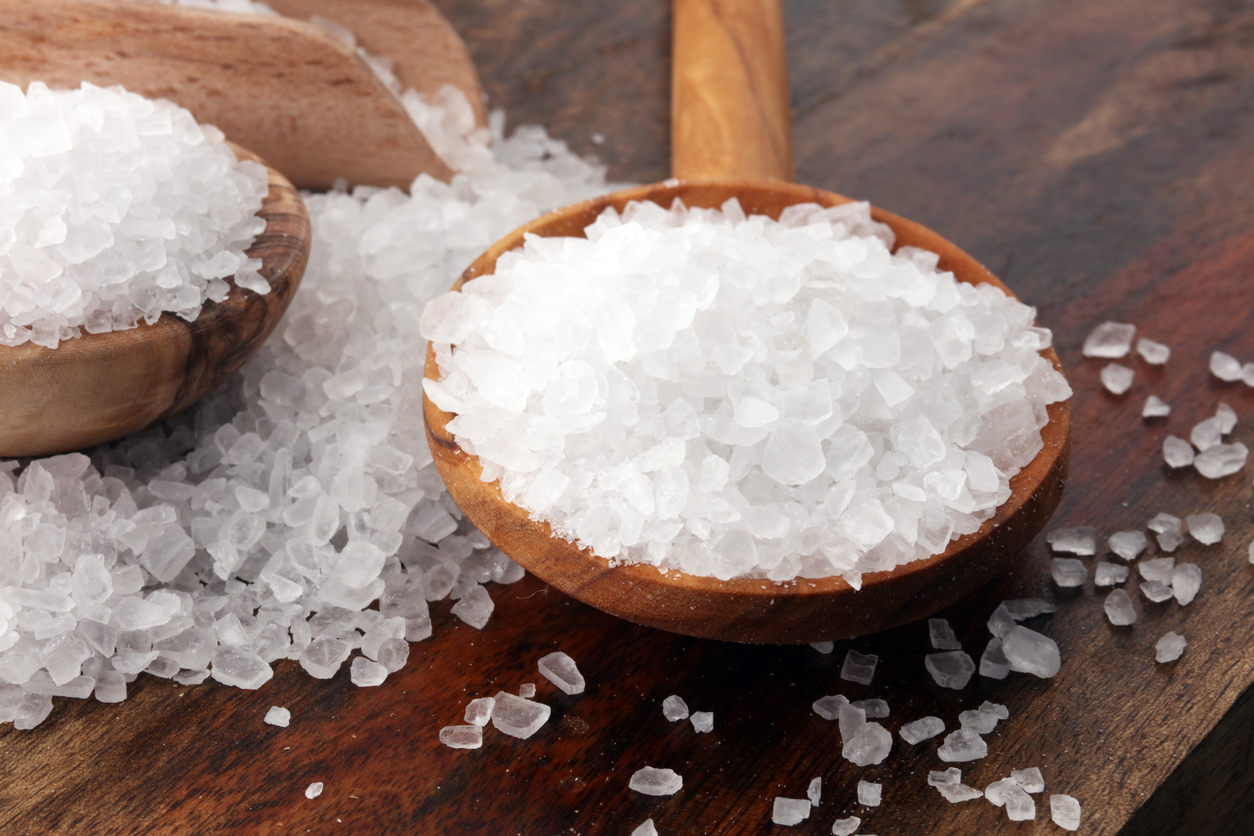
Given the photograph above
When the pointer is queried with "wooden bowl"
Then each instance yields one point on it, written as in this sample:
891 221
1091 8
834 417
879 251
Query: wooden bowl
759 611
102 387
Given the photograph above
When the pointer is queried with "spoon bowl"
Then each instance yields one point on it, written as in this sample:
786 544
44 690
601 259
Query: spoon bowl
102 387
745 610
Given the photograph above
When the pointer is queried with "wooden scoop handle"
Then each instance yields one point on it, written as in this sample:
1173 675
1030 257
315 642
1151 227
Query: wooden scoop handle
729 91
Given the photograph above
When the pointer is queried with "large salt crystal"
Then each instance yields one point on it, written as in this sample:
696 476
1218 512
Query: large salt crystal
1030 652
1206 434
1109 574
365 673
1186 580
1110 339
826 707
979 721
1065 811
1159 569
1154 353
956 793
1225 366
1068 572
952 669
675 709
560 669
646 828
1119 608
864 743
313 790
790 811
922 729
1128 544
1116 378
942 635
479 711
961 746
1081 541
1177 452
858 667
518 717
1221 460
653 781
870 794
278 716
702 721
873 709
1169 647
1019 805
846 826
993 662
462 737
814 792
944 777
1030 779
1206 528
236 666
1155 407
475 607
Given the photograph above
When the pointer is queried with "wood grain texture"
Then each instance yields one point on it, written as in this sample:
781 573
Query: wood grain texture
945 112
286 89
744 610
729 90
102 387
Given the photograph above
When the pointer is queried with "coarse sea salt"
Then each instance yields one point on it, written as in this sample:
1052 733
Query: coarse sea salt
814 792
1155 407
1169 647
736 396
1068 571
952 669
702 721
675 709
1109 339
1081 541
1116 378
278 716
646 828
1119 610
120 208
469 736
790 811
1177 452
1154 353
1225 367
561 670
1206 528
859 667
942 635
846 826
870 794
1065 811
1109 574
653 781
922 729
961 746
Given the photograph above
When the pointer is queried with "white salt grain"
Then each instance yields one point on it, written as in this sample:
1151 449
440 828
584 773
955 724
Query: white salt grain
1177 452
823 647
1081 541
561 670
1186 581
1030 779
278 716
998 791
1154 353
1164 522
978 721
1019 805
858 667
1127 544
1030 652
814 792
790 811
961 746
1110 574
313 790
479 711
1225 366
993 663
957 793
1159 569
846 826
646 828
922 729
869 794
1068 572
475 607
675 709
1119 610
1110 339
1116 378
1021 609
1206 434
653 781
702 721
1169 647
1206 528
996 709
829 707
873 709
1227 417
1155 407
942 635
1065 811
518 717
1221 460
462 737
952 669
944 777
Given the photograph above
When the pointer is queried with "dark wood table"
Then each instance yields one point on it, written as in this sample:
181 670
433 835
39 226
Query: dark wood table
1099 157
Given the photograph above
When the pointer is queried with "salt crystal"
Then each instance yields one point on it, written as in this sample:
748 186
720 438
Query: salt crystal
952 669
1206 434
961 746
1065 811
823 647
278 716
858 667
1110 339
313 790
1154 353
1155 407
869 794
1159 569
236 666
998 791
1001 622
944 777
1128 544
1164 522
1030 652
364 673
675 709
646 828
868 745
827 707
527 690
790 811
1068 572
980 722
1110 574
993 663
1116 378
702 721
1227 417
474 608
1156 591
922 729
1206 528
957 793
1177 452
942 635
815 791
1080 541
1225 366
479 711
560 669
996 709
653 781
846 826
1019 805
1169 541
1169 647
518 717
462 737
1221 460
873 709
1119 609
1030 779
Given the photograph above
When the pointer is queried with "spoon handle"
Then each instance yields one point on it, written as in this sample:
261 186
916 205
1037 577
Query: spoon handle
729 91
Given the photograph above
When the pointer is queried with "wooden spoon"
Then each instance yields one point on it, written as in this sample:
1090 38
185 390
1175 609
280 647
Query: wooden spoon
730 118
101 387
301 98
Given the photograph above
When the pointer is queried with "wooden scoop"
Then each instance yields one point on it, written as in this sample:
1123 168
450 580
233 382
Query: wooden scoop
101 387
731 119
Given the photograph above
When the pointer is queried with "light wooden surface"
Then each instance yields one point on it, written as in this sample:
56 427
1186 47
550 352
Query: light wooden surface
102 387
288 90
809 610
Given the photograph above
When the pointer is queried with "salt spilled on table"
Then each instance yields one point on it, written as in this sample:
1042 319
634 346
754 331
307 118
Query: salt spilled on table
858 667
469 736
646 828
653 781
942 635
846 826
1065 811
1206 528
814 792
922 729
479 711
1154 353
1155 407
675 709
864 743
1119 610
870 794
1109 574
561 670
612 386
278 716
790 811
1117 378
702 721
518 717
1109 339
527 690
313 790
952 669
962 745
1225 367
1177 452
1169 648
1068 571
873 709
1081 541
993 662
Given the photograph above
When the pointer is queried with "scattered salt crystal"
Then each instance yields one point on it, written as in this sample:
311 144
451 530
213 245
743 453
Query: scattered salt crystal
702 721
957 793
846 827
922 729
1001 622
236 666
1030 652
1155 407
1159 569
1081 541
1169 541
646 828
823 647
1116 378
1119 609
826 707
1110 574
790 811
1030 779
1164 522
1128 544
1225 367
365 673
1068 572
873 709
1024 608
313 790
1206 434
869 794
475 607
1156 591
1247 374
1065 811
653 781
675 709
950 776
1110 339
1154 353
961 746
1206 528
462 737
858 667
1250 551
996 709
994 664
479 711
527 690
1169 647
560 669
998 791
952 669
1019 805
980 722
518 717
1177 452
868 745
942 635
1227 417
1221 460
278 716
